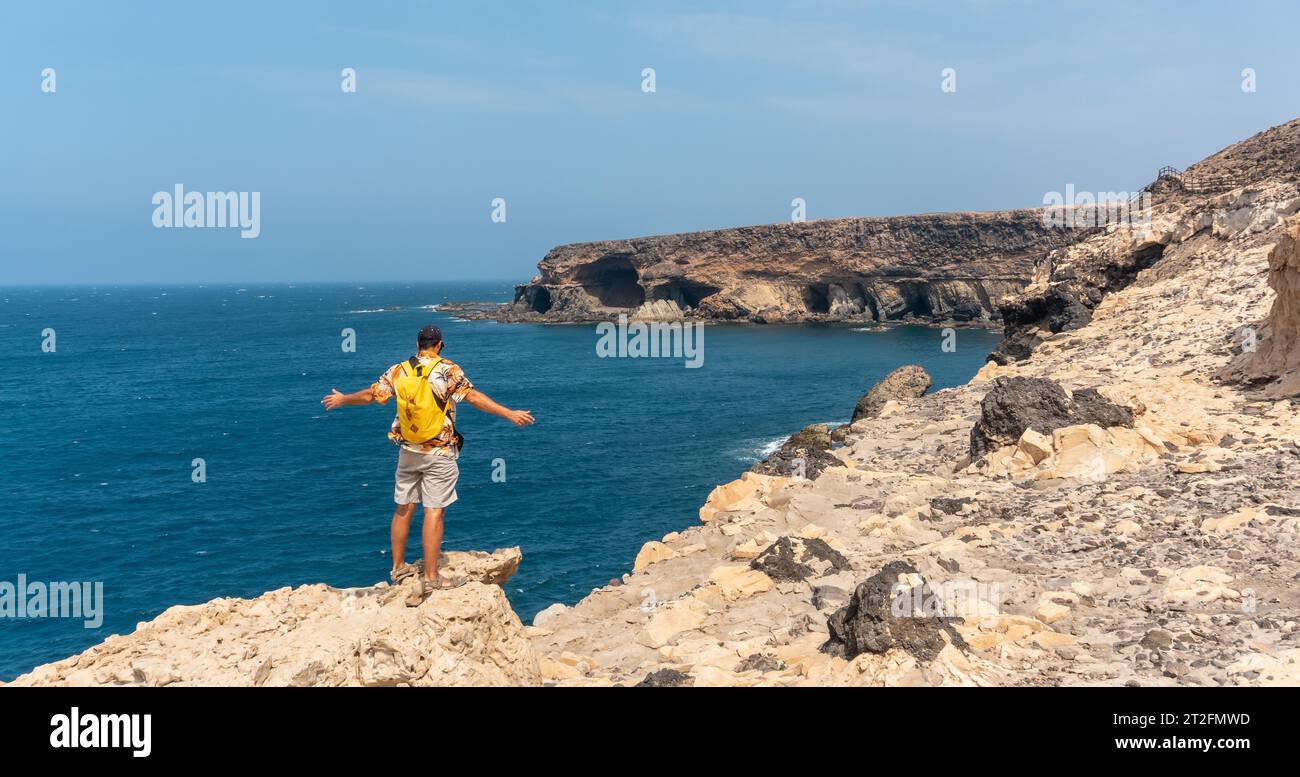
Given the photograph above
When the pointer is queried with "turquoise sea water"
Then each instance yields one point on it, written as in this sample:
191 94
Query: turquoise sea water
98 439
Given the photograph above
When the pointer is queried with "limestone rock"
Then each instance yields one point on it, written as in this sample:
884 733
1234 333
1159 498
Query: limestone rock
316 635
651 553
1034 445
906 382
549 614
1274 361
671 619
745 493
1199 584
738 581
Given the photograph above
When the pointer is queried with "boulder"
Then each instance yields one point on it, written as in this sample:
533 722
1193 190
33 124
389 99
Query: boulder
671 620
811 436
907 382
457 567
1092 408
796 461
871 622
748 492
652 553
549 614
738 581
1017 403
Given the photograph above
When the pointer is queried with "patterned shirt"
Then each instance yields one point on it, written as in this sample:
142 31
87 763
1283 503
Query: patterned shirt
447 379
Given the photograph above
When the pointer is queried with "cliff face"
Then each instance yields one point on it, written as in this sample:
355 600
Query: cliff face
1270 355
932 267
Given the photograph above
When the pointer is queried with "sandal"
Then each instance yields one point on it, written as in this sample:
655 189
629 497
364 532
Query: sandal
416 597
441 584
398 574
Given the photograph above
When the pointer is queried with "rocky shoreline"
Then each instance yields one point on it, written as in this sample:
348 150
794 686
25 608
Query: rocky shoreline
1112 500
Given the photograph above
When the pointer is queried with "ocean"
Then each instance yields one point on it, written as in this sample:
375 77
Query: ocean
103 425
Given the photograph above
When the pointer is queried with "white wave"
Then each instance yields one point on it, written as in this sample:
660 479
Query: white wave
375 310
766 449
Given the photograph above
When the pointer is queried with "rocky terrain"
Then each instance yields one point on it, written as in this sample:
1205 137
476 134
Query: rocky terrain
1110 501
317 635
1116 506
949 267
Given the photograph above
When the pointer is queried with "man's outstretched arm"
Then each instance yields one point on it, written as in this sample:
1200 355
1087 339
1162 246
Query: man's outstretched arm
485 403
336 399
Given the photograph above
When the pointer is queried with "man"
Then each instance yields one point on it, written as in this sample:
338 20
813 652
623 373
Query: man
428 388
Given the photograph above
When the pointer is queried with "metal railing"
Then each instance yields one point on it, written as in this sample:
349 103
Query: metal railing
1200 184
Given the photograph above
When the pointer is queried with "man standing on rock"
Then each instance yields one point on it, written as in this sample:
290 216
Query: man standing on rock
427 387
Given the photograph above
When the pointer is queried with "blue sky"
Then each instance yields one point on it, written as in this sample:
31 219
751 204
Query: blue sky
541 103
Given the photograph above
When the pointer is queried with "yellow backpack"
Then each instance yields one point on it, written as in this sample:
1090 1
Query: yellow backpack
420 411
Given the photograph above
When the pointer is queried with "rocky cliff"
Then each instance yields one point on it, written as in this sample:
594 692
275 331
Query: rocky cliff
317 635
935 267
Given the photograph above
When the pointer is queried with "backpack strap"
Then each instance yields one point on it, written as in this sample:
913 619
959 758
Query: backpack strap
414 361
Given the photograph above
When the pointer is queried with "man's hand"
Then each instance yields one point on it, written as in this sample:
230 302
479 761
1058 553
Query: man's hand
335 399
519 417
485 403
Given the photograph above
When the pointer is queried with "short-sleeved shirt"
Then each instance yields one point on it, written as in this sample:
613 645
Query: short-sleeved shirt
446 380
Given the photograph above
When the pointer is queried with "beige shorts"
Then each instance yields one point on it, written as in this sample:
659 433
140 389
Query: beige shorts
427 478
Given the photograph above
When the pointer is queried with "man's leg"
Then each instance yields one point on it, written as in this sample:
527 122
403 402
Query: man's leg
431 535
439 491
399 531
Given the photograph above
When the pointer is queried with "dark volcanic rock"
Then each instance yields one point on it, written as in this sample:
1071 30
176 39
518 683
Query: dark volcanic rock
760 663
1014 405
1091 406
811 436
1018 403
664 678
949 505
791 460
799 558
869 623
1024 318
1076 286
906 382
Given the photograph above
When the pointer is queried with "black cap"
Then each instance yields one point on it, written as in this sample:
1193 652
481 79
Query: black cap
429 336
